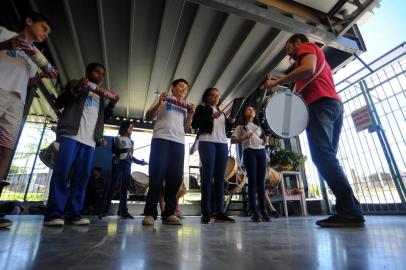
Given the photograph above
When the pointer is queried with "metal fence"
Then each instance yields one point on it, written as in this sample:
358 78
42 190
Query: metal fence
29 178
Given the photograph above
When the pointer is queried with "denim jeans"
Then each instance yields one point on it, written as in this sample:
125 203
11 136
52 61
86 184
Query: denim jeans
323 133
255 164
214 161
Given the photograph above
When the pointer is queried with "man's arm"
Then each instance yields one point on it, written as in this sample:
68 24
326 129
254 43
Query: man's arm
305 70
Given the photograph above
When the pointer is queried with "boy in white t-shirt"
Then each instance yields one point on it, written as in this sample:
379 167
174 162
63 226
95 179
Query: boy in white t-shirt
17 72
173 116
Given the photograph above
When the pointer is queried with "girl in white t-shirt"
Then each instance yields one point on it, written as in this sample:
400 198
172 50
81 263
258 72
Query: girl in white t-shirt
253 141
211 124
172 117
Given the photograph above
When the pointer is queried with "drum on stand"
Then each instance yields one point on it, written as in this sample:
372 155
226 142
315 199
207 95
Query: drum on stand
48 155
284 114
139 183
235 177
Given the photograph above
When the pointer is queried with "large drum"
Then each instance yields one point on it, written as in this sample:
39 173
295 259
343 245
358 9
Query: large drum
235 177
139 183
285 114
48 155
273 177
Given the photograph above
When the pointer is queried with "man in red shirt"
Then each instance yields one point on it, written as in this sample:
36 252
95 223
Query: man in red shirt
314 82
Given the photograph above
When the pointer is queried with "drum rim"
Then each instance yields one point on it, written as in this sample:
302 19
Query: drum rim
233 171
265 110
240 185
144 174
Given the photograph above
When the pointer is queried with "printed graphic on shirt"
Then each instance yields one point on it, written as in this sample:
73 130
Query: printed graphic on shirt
92 100
20 55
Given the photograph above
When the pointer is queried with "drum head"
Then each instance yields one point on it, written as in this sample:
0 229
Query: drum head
286 114
231 169
140 178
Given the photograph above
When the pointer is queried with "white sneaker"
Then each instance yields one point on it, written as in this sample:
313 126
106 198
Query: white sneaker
172 220
148 220
54 222
78 221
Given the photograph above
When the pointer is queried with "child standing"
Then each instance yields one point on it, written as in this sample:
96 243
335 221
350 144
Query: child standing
173 116
17 71
253 144
79 130
123 148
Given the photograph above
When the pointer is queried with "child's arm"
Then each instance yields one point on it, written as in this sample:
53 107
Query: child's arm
152 112
14 43
73 89
190 112
138 161
34 80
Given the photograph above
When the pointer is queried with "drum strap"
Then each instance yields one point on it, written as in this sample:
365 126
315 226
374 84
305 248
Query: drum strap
312 79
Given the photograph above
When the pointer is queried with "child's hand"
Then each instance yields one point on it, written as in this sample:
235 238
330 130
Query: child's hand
163 97
191 108
216 115
248 136
15 43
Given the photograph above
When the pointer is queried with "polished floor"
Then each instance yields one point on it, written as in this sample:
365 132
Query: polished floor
294 243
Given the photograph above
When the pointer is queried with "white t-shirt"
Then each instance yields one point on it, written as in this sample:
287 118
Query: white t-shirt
88 121
255 142
169 122
15 67
123 142
218 134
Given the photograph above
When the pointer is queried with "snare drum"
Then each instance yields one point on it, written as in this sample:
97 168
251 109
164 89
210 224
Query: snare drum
235 177
48 155
284 114
139 183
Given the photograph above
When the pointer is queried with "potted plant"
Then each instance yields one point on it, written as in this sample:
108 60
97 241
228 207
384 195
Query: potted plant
287 160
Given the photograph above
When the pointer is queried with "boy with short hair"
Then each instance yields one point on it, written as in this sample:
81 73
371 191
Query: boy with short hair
17 72
79 130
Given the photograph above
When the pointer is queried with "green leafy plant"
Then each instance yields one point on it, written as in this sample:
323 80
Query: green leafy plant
287 158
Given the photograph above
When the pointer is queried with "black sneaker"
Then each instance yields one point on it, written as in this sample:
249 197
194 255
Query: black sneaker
223 218
5 223
127 216
205 219
265 217
255 217
337 221
275 214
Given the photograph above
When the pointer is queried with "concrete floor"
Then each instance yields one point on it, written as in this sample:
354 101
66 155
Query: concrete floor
294 243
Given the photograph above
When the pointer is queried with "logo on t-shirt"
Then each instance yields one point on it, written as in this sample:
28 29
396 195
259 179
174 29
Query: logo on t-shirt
92 100
20 55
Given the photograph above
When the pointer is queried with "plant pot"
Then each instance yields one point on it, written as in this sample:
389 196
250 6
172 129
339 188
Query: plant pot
286 167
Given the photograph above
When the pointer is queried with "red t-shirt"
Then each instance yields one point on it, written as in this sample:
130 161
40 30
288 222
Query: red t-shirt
323 84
